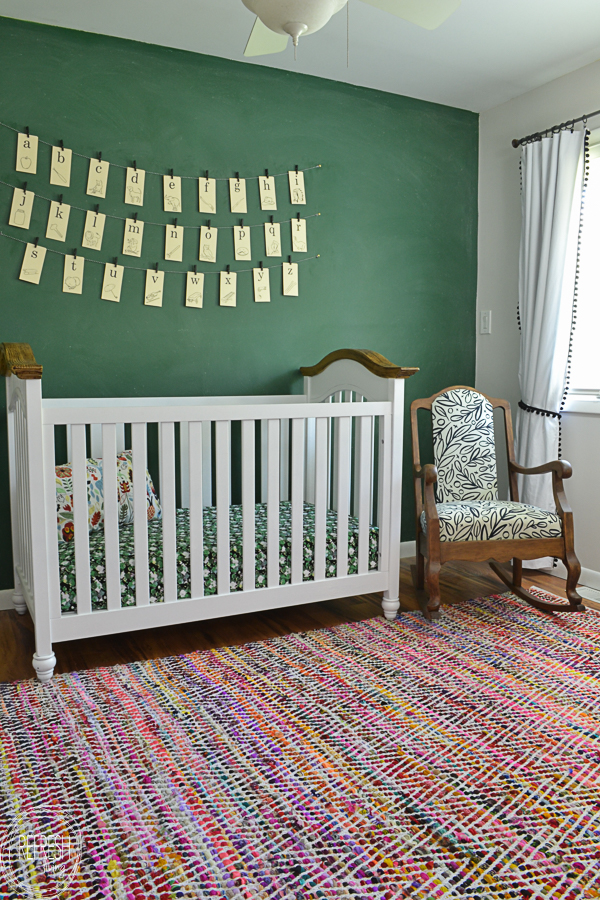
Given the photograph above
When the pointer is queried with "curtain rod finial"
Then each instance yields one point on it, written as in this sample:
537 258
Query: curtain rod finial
515 143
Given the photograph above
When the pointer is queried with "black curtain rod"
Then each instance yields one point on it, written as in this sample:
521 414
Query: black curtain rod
556 129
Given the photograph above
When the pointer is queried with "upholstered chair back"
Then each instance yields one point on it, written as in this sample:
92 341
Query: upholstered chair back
463 446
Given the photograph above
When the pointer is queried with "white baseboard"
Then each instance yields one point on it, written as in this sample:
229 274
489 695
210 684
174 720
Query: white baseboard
408 548
588 577
6 601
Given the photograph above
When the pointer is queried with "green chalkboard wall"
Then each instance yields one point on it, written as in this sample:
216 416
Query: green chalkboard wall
397 236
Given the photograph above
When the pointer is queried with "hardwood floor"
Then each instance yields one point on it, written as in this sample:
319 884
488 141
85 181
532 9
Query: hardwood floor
459 581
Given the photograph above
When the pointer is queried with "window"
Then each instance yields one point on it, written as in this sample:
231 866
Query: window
585 361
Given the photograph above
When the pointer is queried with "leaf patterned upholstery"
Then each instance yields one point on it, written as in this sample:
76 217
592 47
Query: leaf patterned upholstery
463 447
494 520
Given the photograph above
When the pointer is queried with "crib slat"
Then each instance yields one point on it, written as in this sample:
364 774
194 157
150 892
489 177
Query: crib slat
80 520
264 461
207 488
167 499
223 460
111 516
96 441
139 440
309 456
343 486
248 504
184 464
321 494
364 468
196 503
284 460
50 492
273 502
297 499
120 437
383 502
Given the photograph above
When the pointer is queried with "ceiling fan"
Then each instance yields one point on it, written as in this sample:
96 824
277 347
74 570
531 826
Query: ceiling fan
278 20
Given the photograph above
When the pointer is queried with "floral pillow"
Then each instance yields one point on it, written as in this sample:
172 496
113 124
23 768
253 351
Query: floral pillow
95 489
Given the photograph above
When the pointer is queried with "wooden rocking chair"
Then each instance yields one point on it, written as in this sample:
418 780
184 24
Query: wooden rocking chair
459 515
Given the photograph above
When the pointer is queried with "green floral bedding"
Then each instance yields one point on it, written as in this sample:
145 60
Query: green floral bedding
126 552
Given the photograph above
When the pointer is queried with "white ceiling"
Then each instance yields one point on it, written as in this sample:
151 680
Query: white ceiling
487 52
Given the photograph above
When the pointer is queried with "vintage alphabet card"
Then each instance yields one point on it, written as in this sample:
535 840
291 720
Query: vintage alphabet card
93 230
97 178
133 237
27 150
194 289
73 274
208 244
134 186
33 263
290 279
268 199
228 287
172 193
58 221
20 208
299 235
174 242
112 283
262 289
60 167
237 195
272 238
207 195
153 295
241 242
297 195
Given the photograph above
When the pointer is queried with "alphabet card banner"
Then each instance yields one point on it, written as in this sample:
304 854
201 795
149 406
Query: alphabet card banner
33 263
68 224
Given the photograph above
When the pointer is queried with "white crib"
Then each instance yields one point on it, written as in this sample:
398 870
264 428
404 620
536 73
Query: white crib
337 446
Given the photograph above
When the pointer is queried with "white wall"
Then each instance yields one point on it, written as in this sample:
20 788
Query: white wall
499 232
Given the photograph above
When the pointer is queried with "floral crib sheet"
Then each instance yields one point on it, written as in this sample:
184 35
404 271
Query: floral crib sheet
126 553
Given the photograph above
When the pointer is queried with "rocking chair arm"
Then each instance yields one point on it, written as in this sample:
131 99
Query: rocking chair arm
560 468
428 473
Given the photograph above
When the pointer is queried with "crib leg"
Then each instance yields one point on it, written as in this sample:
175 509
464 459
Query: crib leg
390 605
18 598
44 666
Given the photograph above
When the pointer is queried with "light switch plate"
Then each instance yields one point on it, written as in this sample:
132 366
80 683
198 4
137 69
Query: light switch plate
485 321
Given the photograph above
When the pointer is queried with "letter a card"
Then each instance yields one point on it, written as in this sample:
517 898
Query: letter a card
60 167
290 279
134 186
97 178
153 294
262 290
227 292
27 150
33 263
194 289
20 209
112 283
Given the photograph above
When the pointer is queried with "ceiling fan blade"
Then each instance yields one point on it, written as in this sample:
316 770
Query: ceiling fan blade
427 13
263 41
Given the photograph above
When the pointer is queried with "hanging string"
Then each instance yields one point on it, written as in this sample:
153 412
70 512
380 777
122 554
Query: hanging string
160 174
161 224
145 268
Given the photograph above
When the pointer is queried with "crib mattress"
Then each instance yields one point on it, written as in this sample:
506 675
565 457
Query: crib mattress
126 553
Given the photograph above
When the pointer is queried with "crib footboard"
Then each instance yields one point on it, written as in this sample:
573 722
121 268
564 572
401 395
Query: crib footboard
264 502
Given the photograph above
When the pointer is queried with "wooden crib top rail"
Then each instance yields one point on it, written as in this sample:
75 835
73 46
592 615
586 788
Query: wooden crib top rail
18 359
374 362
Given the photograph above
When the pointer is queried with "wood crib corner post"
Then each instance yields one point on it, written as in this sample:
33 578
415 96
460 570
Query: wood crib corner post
391 602
18 597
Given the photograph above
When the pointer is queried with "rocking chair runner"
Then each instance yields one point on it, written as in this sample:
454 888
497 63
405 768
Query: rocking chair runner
459 515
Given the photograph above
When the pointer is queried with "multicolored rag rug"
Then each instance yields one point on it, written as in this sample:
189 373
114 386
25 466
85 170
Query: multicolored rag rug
374 760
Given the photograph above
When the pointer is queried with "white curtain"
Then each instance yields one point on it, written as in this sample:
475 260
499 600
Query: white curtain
552 184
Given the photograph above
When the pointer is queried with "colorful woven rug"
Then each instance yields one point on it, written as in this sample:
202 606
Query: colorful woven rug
373 760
